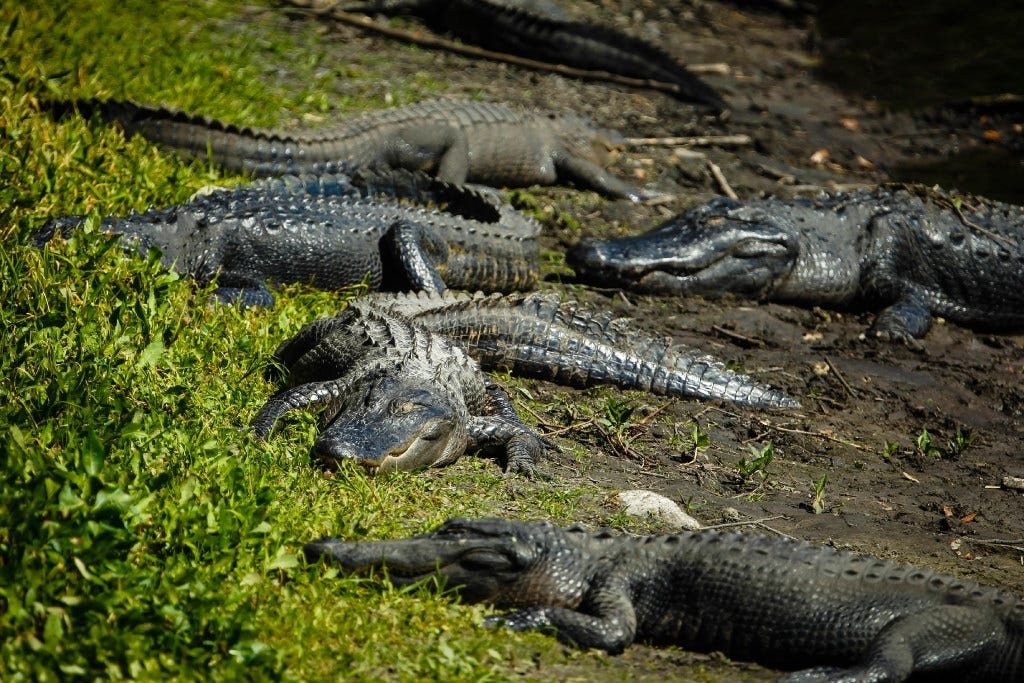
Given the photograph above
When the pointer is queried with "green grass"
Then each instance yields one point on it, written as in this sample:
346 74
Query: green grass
143 532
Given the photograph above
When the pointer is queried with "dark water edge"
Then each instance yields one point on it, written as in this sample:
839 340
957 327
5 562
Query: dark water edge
915 54
919 56
991 172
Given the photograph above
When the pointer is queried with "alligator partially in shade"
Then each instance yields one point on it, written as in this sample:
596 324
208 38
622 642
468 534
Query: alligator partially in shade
396 378
392 229
913 252
827 614
539 31
457 140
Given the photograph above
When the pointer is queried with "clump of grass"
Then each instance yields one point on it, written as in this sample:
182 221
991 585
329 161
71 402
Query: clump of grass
145 534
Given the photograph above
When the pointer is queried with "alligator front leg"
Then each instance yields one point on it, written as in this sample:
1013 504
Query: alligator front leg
591 176
612 629
905 321
245 291
415 250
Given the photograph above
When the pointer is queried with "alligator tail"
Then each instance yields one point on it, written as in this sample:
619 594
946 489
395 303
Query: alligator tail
580 45
541 336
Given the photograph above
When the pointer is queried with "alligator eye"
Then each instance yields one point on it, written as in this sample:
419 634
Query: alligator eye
405 407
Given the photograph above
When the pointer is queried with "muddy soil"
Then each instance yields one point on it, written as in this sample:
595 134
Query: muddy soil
935 499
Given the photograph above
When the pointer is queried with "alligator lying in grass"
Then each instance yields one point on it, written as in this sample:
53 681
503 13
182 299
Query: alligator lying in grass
541 32
457 140
914 252
399 387
829 614
332 231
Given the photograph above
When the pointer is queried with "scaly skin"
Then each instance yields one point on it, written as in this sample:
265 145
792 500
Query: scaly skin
399 389
828 615
535 31
459 141
334 231
913 252
540 335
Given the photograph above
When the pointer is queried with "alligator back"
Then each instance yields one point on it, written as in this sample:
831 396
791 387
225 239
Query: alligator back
331 231
459 140
795 604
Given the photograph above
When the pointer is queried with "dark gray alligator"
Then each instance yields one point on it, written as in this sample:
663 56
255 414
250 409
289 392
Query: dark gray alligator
391 229
914 252
539 31
396 378
457 140
829 614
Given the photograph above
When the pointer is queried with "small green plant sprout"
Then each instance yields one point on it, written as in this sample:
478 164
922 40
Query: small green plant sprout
925 446
699 438
891 449
617 414
956 446
818 501
758 464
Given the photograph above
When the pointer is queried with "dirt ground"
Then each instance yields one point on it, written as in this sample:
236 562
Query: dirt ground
946 509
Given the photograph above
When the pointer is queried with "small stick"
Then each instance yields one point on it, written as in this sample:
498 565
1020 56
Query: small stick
738 337
839 376
719 177
737 140
752 522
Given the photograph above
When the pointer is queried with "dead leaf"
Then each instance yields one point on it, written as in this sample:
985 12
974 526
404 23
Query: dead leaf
947 511
820 157
968 518
850 124
864 163
911 478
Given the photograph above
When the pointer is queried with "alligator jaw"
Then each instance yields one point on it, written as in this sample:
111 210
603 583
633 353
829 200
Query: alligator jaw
746 267
482 564
400 426
691 254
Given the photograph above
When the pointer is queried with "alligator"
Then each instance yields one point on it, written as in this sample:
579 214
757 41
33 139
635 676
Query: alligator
541 32
457 140
821 613
393 229
399 379
911 251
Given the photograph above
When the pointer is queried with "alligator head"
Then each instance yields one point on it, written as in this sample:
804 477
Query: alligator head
505 563
721 246
395 424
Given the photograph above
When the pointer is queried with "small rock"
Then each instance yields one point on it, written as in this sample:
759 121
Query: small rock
640 503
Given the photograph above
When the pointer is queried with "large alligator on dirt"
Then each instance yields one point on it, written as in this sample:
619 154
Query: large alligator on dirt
541 32
829 614
391 229
915 252
400 383
457 140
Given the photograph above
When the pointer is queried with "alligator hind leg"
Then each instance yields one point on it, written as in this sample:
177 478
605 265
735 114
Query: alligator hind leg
425 146
947 640
415 250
